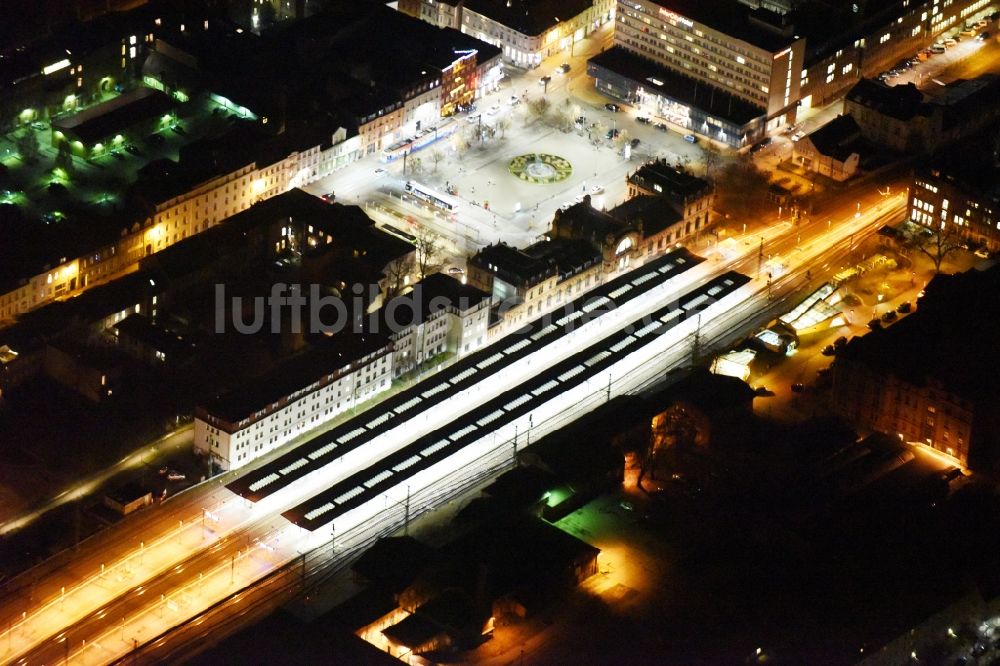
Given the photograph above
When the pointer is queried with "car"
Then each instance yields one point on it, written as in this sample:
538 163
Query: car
642 119
38 126
763 392
625 504
938 49
455 270
982 253
493 110
890 316
634 142
564 68
950 42
472 119
798 136
983 36
177 129
174 475
117 155
514 100
840 342
379 171
968 32
612 134
691 138
132 148
798 387
760 145
597 189
904 308
545 80
875 324
613 108
581 120
829 350
661 126
329 197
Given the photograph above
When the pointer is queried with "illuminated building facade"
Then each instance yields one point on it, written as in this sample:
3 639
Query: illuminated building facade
930 378
741 55
530 30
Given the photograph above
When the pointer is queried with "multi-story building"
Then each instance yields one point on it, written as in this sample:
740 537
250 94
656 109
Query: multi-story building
525 284
530 30
693 198
239 426
959 190
736 70
931 377
439 316
902 119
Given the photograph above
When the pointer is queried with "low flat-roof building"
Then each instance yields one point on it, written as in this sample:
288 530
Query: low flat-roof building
105 126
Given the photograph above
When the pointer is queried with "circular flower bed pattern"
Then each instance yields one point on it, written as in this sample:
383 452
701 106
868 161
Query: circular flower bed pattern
540 168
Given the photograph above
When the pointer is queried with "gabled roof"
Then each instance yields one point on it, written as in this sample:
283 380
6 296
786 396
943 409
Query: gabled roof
838 139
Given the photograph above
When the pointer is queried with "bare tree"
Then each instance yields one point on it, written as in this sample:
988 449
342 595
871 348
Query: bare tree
429 254
561 118
937 245
537 108
436 157
396 273
503 125
415 164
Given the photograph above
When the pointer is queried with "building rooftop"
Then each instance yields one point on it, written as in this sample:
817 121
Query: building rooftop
757 27
529 17
676 86
973 165
116 115
143 329
675 184
583 221
950 339
434 293
512 265
569 255
288 381
838 139
653 213
900 102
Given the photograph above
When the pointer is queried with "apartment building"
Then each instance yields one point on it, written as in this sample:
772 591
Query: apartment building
959 190
929 378
439 316
252 420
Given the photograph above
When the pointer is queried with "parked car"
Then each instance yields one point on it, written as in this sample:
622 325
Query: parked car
564 68
798 387
982 253
840 342
890 316
612 133
174 475
798 136
613 108
132 148
760 145
938 49
493 110
875 324
544 80
661 126
691 138
634 142
829 350
983 36
950 42
642 119
514 100
904 307
455 270
597 189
